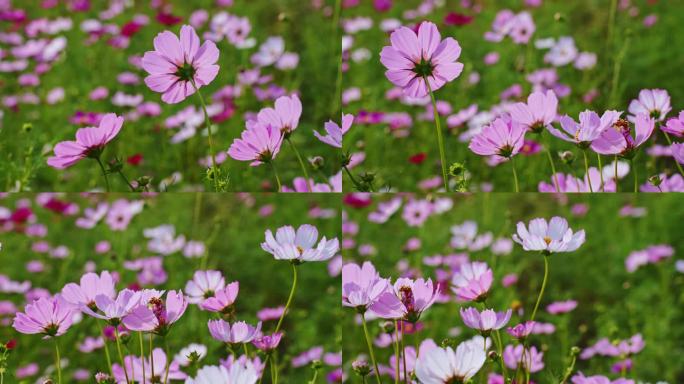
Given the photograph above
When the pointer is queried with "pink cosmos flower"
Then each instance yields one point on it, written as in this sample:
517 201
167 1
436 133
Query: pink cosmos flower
654 103
284 117
361 286
203 285
521 330
561 307
236 373
554 236
134 369
678 152
299 245
156 315
472 282
539 112
579 378
590 127
178 67
414 57
237 333
530 359
48 316
223 299
111 309
443 365
91 286
675 125
90 141
406 300
485 321
268 342
334 132
503 138
258 143
619 140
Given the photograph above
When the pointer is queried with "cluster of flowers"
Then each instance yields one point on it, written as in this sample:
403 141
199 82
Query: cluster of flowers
155 313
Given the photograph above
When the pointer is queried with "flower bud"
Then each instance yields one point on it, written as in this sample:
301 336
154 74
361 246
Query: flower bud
567 157
361 367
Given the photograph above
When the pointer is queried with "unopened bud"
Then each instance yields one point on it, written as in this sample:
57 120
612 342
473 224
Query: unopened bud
567 157
361 367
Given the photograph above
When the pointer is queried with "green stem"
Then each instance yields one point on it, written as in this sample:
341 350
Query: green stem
151 357
603 185
118 347
125 179
586 170
669 142
370 348
168 358
58 363
142 354
515 175
104 172
636 182
315 376
569 370
268 357
207 122
301 164
358 185
275 173
396 352
106 348
541 292
440 140
499 343
289 299
617 66
403 354
553 168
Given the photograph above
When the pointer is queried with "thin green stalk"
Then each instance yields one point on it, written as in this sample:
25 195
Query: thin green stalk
58 363
125 179
617 66
301 163
166 350
499 343
586 170
142 354
275 173
315 376
151 357
268 357
636 182
553 169
440 140
358 185
669 142
118 347
541 292
569 370
207 122
515 175
289 299
106 348
370 348
603 184
396 352
104 172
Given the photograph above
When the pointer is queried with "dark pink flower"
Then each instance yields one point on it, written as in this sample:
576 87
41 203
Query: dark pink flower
90 141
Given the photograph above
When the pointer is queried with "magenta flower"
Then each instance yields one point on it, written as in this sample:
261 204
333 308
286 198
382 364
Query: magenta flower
406 300
90 141
539 112
91 286
590 127
113 310
238 333
258 143
268 342
223 299
554 236
654 103
521 330
503 137
157 315
412 58
300 245
675 125
530 359
485 321
472 282
561 307
361 286
178 67
48 316
284 117
203 285
619 141
334 132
